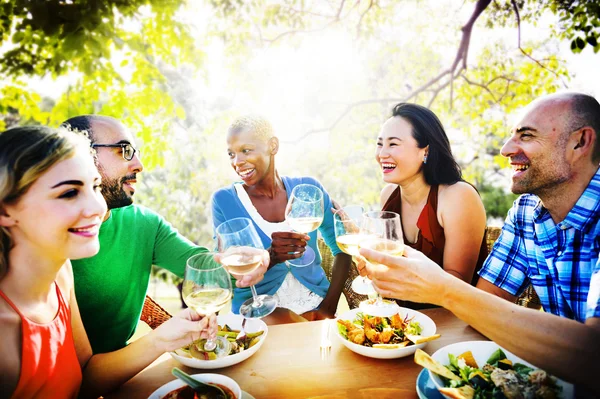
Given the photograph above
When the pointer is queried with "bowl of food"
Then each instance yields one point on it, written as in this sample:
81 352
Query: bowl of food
385 337
178 389
229 326
459 370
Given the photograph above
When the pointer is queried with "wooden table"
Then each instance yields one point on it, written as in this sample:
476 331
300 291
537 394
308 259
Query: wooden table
289 365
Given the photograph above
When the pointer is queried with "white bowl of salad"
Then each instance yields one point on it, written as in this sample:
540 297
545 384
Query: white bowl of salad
490 370
385 337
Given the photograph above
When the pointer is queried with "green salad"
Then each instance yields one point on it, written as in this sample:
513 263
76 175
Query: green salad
499 378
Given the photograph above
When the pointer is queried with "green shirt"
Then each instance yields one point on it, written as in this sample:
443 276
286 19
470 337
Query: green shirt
111 286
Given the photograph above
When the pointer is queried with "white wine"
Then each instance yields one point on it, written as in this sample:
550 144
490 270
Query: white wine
209 300
394 248
305 224
348 243
241 260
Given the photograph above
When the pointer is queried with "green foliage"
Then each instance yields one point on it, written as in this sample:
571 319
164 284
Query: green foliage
55 36
578 21
496 200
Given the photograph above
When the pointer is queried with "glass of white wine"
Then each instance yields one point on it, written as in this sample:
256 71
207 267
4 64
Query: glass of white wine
347 222
206 289
304 213
348 235
241 253
381 231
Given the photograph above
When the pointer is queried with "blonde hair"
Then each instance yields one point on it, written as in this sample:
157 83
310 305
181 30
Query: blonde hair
26 153
257 124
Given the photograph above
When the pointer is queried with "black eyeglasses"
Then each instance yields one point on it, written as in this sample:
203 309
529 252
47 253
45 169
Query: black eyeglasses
127 150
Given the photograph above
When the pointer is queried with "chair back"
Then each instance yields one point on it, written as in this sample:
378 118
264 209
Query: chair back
153 314
529 297
352 297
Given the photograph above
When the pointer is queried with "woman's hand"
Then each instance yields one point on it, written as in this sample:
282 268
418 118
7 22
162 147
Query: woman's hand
317 314
413 277
286 245
183 328
246 280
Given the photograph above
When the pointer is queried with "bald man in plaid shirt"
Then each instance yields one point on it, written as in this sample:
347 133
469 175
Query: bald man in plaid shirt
551 236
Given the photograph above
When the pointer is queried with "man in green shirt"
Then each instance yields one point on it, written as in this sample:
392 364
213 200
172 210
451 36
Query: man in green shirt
111 286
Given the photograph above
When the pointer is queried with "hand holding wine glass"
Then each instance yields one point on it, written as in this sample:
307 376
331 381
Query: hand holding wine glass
382 232
206 289
304 213
242 253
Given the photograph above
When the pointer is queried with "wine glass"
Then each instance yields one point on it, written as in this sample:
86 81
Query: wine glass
381 231
304 212
206 289
242 253
348 235
347 222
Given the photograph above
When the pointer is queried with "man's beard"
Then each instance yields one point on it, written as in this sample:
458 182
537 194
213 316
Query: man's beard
113 193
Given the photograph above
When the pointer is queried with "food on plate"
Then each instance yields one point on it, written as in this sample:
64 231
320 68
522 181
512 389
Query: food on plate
196 348
498 378
186 392
382 332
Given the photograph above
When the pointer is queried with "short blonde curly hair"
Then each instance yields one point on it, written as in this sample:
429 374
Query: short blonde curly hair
257 124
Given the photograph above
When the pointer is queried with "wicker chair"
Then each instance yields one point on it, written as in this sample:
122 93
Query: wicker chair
529 297
352 297
153 314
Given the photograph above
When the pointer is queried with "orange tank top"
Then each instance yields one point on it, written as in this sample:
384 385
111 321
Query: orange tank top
49 364
430 239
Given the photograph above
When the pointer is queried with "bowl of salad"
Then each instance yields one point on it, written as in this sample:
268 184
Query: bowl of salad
194 356
482 369
385 337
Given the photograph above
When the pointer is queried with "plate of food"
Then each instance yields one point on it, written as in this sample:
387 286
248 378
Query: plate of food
482 369
229 326
178 389
385 337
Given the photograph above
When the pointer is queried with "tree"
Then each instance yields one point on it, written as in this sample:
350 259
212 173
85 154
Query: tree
141 61
56 37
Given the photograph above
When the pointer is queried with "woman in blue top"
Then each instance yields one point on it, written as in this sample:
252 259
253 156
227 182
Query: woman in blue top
304 293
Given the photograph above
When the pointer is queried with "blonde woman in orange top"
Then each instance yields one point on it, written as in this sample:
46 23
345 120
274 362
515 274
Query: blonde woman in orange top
51 210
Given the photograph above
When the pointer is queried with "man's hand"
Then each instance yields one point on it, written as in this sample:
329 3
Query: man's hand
185 327
361 265
286 245
413 277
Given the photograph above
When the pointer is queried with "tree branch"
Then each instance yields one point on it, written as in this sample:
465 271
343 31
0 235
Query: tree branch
518 16
362 15
454 71
337 18
483 86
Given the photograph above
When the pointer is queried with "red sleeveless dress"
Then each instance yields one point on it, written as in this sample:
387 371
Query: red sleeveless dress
431 239
49 364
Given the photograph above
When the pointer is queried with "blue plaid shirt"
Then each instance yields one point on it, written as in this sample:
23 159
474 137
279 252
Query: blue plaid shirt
560 260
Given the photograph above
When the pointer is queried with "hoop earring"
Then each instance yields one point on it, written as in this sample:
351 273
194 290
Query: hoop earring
425 158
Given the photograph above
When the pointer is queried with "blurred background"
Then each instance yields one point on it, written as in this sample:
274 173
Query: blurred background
326 73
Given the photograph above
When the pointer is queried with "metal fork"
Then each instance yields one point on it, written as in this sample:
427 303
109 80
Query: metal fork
242 333
325 341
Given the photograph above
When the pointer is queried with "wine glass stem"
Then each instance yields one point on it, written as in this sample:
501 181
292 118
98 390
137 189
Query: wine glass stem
256 302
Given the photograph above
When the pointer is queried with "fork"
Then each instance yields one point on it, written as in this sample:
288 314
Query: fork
325 341
242 333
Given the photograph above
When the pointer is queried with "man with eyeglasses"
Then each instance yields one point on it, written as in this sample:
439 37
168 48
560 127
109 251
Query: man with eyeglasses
111 286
